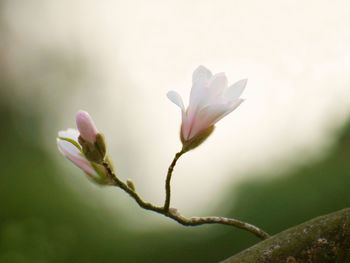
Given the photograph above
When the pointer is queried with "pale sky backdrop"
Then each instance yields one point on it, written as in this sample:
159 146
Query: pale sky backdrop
295 54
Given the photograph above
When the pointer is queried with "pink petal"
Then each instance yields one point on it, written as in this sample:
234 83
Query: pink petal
186 126
176 99
86 126
73 154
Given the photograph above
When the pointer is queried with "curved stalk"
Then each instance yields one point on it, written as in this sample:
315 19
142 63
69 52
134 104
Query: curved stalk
173 212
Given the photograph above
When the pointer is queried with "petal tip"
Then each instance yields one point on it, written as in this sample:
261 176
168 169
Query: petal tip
170 94
201 68
175 98
86 126
82 114
201 73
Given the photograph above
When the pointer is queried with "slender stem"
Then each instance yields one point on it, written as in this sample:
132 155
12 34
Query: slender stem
168 179
174 213
117 182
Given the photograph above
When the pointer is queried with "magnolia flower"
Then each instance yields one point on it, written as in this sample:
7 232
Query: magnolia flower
77 146
210 100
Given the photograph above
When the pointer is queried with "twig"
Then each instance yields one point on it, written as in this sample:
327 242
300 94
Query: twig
173 212
130 191
168 178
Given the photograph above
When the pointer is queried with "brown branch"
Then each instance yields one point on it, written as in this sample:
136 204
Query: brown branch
173 212
196 221
130 191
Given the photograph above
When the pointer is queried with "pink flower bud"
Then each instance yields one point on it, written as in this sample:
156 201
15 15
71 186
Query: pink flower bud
68 145
86 126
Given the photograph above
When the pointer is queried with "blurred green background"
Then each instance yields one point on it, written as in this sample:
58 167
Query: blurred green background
41 220
49 212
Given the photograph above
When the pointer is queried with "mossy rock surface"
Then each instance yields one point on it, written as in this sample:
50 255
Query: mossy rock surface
324 239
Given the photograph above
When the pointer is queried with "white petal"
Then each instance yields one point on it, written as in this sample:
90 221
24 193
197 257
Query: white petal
211 114
201 74
67 147
232 106
176 99
217 84
204 94
235 90
200 95
198 99
199 91
206 117
70 133
73 154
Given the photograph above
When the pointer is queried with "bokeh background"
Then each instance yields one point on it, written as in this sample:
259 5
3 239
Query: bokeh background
280 159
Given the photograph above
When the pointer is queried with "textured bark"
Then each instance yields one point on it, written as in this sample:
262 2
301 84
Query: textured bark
321 240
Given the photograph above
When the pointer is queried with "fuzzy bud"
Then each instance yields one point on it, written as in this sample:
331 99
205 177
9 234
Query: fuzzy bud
130 184
94 152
